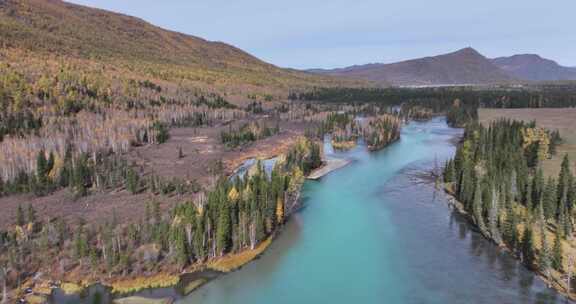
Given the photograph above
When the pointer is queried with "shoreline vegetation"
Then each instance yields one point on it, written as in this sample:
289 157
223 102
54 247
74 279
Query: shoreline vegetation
496 181
228 262
284 183
555 282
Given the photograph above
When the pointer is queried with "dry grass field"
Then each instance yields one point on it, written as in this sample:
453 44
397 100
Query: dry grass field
562 119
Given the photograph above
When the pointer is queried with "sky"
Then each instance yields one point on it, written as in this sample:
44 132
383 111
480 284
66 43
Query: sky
336 33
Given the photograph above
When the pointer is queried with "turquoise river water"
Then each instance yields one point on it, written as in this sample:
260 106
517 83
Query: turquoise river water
377 231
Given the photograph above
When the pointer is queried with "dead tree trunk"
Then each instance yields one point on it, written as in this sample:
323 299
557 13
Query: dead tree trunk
3 274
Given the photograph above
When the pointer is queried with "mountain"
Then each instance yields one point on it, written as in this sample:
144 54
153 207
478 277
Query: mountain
35 31
533 67
59 27
465 66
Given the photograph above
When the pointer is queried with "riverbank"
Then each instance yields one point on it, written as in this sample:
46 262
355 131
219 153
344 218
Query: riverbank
555 280
42 289
329 165
414 250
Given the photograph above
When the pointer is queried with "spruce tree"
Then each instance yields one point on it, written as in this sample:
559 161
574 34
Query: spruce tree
42 168
81 176
132 183
549 199
20 216
557 252
564 178
477 208
31 214
80 244
223 229
537 187
157 213
510 229
544 256
449 172
528 197
528 247
493 217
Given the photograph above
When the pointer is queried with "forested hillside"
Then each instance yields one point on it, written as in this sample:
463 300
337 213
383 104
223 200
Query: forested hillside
81 82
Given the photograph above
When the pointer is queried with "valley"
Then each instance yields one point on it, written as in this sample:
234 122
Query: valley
143 165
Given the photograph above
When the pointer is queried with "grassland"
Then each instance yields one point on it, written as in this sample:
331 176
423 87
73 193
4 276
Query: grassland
561 119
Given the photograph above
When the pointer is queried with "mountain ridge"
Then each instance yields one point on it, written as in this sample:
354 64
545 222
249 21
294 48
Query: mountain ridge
465 66
534 67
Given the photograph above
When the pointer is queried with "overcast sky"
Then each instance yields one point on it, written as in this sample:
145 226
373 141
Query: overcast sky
337 33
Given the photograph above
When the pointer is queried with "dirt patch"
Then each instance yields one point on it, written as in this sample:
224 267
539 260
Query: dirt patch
97 207
561 119
201 150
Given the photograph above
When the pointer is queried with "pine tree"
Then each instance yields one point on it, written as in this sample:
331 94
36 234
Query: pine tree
42 168
537 187
557 252
20 216
528 197
510 229
132 180
564 178
466 189
179 240
550 199
80 244
528 247
449 172
31 214
544 256
157 213
223 229
477 208
81 176
493 218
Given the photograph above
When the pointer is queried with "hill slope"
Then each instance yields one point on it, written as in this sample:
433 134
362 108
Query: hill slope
533 67
53 28
465 66
58 27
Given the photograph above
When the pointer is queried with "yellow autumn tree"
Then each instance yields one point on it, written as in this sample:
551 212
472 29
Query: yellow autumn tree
233 195
280 210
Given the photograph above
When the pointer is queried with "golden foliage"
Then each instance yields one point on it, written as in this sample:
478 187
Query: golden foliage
540 135
135 284
234 261
71 288
233 195
280 210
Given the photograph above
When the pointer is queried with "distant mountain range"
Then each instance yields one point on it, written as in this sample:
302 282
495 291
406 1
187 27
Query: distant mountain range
465 66
533 67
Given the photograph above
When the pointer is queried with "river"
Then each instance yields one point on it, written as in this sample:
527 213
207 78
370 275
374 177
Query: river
378 232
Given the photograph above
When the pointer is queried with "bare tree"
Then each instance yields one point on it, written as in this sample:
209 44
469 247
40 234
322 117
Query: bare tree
571 260
3 275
